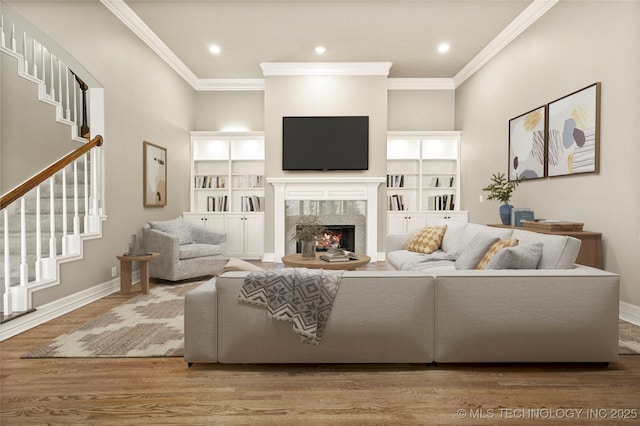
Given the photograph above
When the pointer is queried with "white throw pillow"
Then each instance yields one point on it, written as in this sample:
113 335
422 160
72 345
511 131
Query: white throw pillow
525 256
472 253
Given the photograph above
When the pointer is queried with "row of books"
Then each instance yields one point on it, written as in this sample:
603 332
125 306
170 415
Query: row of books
217 204
252 203
249 181
395 181
442 202
210 182
442 181
395 202
338 255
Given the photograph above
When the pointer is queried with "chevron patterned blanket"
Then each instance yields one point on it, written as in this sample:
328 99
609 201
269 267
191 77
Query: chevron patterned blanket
300 295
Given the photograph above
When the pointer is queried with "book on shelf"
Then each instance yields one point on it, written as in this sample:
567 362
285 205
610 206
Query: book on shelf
395 181
443 202
217 204
252 203
338 255
206 182
396 202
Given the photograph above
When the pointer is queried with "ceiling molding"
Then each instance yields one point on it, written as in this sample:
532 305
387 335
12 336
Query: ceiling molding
325 68
229 85
531 14
139 28
421 84
528 16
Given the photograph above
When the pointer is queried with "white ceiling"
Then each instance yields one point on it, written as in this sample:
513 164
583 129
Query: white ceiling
405 33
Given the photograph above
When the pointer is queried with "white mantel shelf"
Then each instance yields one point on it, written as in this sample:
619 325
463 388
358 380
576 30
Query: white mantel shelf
326 188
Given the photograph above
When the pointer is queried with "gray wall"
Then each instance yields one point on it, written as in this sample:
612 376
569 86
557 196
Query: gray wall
572 46
145 100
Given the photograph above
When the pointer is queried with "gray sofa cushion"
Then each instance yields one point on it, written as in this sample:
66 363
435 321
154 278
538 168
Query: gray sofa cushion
175 227
526 256
189 251
471 254
558 252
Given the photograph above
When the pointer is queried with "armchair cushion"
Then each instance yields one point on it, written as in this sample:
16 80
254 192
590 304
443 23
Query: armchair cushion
189 251
175 227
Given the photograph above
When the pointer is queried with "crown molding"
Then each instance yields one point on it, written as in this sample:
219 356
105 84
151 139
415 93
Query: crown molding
421 84
128 17
325 68
523 21
231 84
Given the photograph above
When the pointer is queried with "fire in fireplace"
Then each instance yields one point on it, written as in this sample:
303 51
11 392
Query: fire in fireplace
337 236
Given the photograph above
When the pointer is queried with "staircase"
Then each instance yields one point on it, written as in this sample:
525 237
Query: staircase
44 221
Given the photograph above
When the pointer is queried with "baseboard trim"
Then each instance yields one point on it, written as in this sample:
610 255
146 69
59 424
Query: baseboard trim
630 313
57 308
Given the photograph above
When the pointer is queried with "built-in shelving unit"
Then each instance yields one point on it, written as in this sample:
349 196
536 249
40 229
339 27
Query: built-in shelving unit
423 173
227 188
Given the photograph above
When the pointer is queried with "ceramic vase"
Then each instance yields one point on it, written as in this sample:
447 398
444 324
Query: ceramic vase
505 214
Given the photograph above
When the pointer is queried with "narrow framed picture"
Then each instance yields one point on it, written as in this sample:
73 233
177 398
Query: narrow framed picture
155 175
527 145
574 133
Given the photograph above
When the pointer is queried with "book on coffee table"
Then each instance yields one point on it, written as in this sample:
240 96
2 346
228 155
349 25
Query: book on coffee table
338 255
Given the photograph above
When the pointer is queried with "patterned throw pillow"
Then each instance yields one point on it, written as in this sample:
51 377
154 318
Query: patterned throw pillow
428 239
495 248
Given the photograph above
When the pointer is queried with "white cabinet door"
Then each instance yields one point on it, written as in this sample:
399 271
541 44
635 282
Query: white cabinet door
405 222
445 217
245 235
211 221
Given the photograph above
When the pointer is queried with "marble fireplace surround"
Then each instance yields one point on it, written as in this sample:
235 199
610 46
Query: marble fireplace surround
326 188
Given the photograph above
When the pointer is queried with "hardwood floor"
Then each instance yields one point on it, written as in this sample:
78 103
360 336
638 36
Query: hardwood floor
164 391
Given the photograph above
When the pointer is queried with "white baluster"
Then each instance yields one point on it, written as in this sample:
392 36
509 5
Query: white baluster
24 48
67 75
76 215
38 265
52 222
2 31
6 295
24 269
65 249
59 80
35 58
13 36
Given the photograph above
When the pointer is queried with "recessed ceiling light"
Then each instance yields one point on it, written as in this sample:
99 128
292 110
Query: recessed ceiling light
444 47
214 49
320 50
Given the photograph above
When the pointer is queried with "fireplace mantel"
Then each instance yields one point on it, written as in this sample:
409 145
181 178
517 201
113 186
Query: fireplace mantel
325 188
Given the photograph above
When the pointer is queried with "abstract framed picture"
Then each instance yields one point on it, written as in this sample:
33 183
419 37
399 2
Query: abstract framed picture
527 145
574 133
155 175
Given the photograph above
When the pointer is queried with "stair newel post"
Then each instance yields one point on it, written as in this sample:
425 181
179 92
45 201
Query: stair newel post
52 88
6 294
86 192
52 224
59 80
25 56
76 215
13 36
35 58
24 270
75 113
2 30
38 264
44 67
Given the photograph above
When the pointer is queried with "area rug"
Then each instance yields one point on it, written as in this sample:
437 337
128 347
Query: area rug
629 339
148 325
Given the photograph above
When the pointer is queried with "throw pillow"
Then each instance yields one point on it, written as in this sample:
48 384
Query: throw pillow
174 227
235 264
428 239
472 253
495 248
525 256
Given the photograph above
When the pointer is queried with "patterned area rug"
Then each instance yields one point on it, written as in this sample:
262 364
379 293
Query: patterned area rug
629 339
148 325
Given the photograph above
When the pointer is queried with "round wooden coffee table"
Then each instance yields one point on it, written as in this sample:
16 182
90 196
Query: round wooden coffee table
296 261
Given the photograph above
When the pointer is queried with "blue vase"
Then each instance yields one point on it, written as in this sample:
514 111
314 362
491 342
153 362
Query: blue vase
505 214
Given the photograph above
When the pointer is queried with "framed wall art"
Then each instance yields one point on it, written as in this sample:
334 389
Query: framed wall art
155 175
527 145
574 133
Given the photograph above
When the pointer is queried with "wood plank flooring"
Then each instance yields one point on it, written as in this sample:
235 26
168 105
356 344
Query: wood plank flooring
164 391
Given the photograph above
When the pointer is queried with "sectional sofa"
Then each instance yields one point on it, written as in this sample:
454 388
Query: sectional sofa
428 310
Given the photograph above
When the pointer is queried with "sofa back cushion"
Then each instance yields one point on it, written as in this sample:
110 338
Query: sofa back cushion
558 251
175 227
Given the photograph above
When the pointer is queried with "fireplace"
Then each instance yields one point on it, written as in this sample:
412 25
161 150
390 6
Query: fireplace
337 200
338 236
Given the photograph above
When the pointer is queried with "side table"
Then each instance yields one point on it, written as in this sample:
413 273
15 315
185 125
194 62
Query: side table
126 263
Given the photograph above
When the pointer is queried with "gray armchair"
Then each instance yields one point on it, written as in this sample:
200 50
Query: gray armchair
186 250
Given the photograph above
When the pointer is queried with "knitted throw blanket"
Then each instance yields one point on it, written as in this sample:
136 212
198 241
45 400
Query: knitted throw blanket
300 295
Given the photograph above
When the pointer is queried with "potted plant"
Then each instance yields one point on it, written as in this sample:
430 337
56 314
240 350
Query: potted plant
501 189
306 232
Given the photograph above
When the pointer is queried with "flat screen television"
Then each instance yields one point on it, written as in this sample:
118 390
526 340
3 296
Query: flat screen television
325 143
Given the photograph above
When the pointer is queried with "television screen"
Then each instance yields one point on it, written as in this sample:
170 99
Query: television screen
325 143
